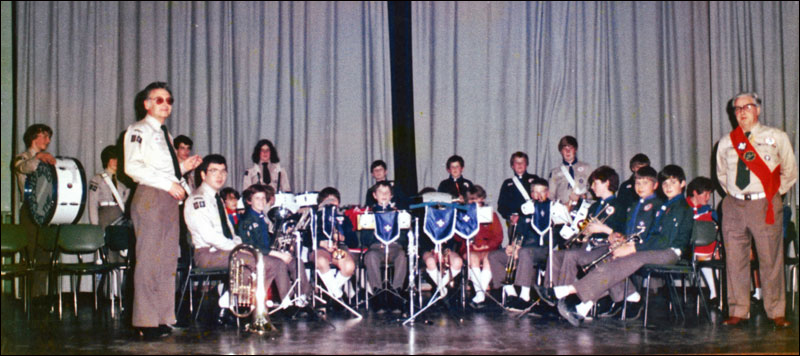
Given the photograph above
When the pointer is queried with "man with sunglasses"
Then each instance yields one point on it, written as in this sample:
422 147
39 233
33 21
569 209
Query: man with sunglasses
755 166
151 161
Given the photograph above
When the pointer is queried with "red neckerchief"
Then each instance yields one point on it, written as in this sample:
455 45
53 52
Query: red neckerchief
771 180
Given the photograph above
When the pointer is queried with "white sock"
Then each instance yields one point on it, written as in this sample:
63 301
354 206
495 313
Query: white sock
328 279
435 276
709 279
224 301
525 294
562 291
338 283
510 291
455 272
584 308
757 294
475 278
479 297
635 297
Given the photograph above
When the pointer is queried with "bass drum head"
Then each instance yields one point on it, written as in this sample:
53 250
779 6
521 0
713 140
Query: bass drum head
56 194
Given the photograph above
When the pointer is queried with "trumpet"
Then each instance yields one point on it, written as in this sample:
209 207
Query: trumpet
248 288
513 260
336 243
583 224
632 237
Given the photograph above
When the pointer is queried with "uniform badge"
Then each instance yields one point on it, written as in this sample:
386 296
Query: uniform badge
255 225
199 204
93 187
466 185
770 141
580 181
648 207
767 158
749 156
741 146
580 169
135 138
530 180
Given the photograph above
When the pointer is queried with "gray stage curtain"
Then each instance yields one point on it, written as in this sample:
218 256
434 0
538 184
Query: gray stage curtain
312 77
492 78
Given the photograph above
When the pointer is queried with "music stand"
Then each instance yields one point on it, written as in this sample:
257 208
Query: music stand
385 285
317 287
437 294
295 287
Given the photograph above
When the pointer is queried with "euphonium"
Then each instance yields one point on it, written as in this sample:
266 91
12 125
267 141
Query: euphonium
248 289
338 252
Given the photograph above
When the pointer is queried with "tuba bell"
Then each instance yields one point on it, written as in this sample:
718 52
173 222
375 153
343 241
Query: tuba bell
248 288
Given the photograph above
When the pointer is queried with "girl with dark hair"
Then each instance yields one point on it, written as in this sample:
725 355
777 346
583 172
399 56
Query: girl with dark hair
266 168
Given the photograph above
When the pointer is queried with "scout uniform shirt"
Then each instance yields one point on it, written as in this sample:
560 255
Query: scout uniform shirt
254 175
560 187
102 206
204 223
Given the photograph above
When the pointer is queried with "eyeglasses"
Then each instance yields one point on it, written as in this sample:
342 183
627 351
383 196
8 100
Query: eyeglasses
159 100
748 107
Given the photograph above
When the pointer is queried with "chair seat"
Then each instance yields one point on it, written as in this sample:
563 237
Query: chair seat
16 269
680 267
83 268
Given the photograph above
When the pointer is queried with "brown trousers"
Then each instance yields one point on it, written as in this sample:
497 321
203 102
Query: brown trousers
742 220
609 276
155 219
274 268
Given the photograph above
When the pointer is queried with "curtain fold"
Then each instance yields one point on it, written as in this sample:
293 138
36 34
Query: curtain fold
312 77
492 78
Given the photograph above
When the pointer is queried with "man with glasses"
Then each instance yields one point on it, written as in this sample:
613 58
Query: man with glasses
755 166
151 161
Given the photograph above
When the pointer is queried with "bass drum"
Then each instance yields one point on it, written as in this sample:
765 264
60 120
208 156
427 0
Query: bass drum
56 194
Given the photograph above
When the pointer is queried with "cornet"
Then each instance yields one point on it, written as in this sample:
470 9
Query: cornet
609 210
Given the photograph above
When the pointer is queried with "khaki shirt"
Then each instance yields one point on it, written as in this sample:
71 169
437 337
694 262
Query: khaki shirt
559 185
100 197
147 157
203 221
772 145
24 164
253 176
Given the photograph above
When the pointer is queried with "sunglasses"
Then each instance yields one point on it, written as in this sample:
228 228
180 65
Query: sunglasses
159 100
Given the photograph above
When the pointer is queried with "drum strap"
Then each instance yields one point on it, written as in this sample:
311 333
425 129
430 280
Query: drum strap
114 191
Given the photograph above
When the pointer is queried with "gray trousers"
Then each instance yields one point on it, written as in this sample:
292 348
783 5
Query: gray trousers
744 219
610 275
274 268
566 264
376 255
155 219
528 258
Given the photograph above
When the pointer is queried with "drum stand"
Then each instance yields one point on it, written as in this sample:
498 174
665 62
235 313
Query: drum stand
317 286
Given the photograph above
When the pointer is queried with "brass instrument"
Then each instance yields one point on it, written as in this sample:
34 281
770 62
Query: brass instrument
336 243
513 260
583 224
285 236
632 237
248 288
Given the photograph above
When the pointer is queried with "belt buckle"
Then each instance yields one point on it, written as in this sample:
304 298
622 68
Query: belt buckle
748 197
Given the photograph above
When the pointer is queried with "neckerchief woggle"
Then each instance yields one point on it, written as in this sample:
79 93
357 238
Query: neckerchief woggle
440 224
386 228
467 225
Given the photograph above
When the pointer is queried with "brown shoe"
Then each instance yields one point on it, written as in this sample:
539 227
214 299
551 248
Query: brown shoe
781 322
733 321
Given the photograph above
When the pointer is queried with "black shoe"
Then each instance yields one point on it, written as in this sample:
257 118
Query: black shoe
511 300
519 305
566 308
613 310
150 334
634 310
545 294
